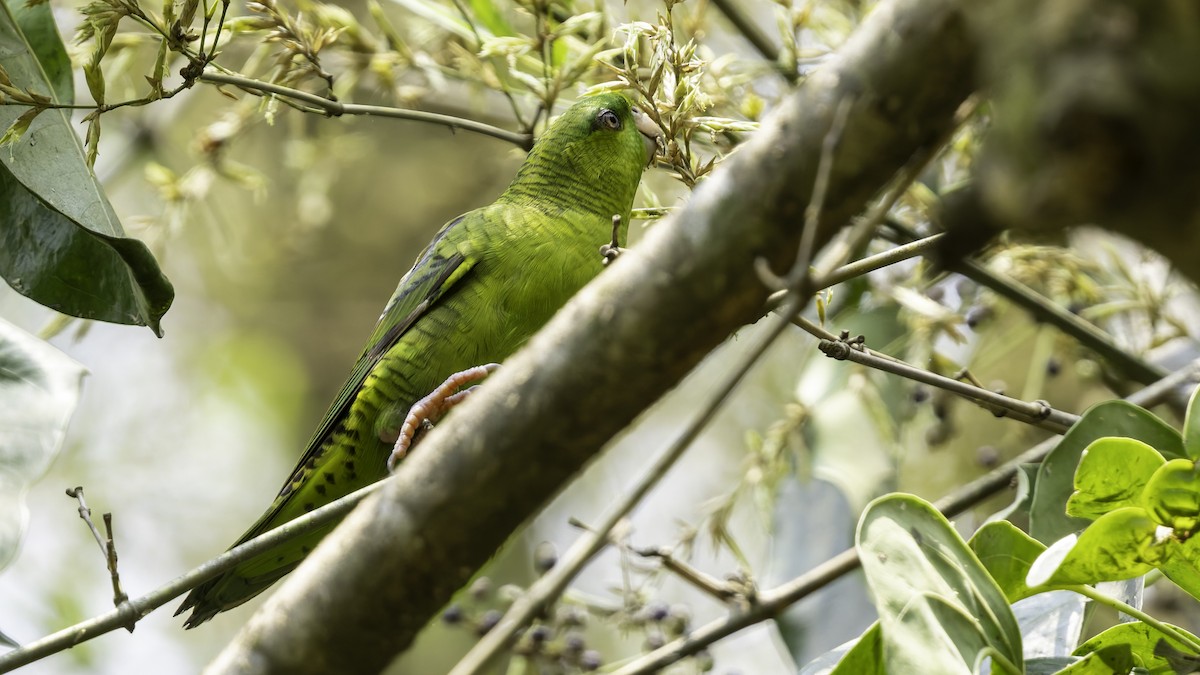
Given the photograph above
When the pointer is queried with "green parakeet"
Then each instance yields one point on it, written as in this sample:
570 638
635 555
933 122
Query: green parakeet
488 281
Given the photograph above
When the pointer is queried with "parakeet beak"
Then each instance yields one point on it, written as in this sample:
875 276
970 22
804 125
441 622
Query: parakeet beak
650 133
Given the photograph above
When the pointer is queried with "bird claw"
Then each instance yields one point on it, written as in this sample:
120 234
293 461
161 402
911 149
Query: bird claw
611 250
435 405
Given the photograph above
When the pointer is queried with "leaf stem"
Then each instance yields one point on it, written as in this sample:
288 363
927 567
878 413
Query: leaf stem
1166 629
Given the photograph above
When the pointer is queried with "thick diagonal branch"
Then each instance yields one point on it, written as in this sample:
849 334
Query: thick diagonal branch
625 340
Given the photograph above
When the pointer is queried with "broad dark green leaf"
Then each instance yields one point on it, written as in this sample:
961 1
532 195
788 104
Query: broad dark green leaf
1111 475
1048 521
39 387
938 606
61 244
37 24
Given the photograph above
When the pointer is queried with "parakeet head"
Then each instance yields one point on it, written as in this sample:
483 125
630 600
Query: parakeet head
591 158
607 126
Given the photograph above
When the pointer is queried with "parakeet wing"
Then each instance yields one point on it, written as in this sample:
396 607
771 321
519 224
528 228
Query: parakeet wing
441 265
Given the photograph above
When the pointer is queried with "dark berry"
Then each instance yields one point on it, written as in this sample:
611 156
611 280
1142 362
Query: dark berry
540 633
920 394
571 617
488 621
977 315
657 611
988 456
1053 367
574 644
590 660
545 557
452 615
679 620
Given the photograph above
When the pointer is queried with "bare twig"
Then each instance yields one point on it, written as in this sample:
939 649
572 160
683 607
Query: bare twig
337 108
774 601
86 514
707 584
1038 413
130 611
108 548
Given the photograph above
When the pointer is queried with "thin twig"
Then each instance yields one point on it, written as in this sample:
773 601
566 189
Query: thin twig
749 30
775 600
86 514
108 548
1038 413
707 584
337 108
131 611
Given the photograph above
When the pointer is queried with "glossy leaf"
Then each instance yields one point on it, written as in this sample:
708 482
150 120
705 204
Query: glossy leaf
1140 638
863 656
1007 553
1121 544
61 244
1182 566
1104 661
1111 475
1191 426
39 387
1048 521
939 609
1172 495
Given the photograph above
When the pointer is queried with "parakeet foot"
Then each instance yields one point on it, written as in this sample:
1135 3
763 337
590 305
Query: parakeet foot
435 405
611 250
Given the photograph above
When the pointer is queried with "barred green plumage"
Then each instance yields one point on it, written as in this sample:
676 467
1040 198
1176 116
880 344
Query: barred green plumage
485 284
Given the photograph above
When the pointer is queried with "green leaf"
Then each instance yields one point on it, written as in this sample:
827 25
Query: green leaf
1182 565
865 657
1048 521
1111 475
931 591
1191 426
1105 661
61 243
37 24
1007 553
39 387
1121 544
1172 496
1140 638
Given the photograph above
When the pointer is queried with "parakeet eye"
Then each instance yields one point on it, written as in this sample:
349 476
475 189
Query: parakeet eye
608 119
